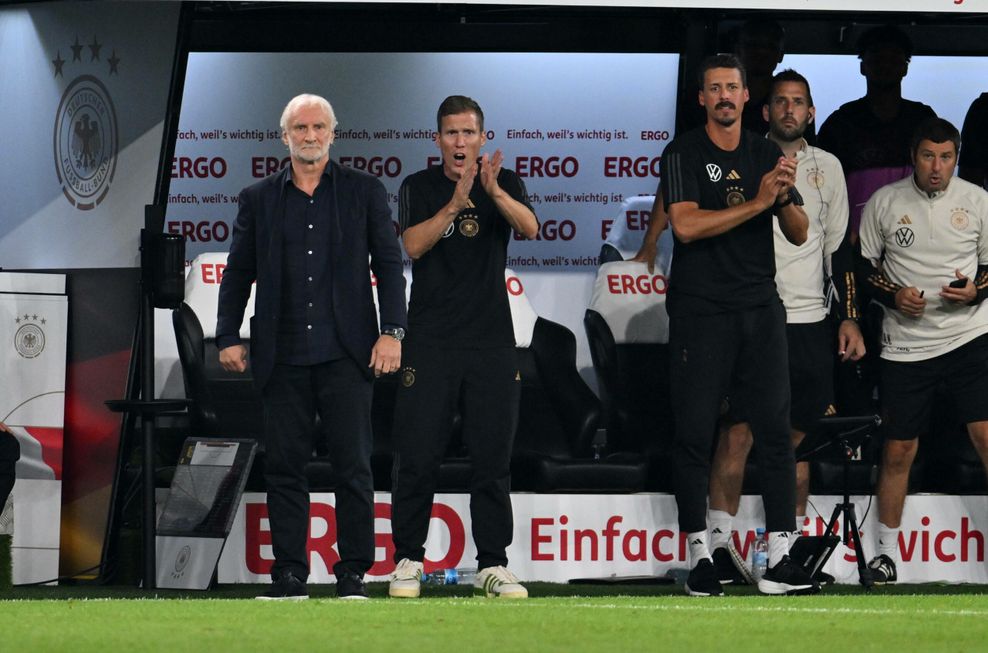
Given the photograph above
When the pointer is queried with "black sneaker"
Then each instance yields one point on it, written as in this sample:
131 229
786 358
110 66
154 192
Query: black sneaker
787 577
728 573
286 588
702 580
351 586
882 570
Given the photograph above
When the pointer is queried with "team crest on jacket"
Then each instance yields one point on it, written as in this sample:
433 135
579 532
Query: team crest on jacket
469 226
815 179
408 376
734 196
959 219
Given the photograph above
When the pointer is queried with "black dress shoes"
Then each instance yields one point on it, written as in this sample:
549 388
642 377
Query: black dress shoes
286 588
350 586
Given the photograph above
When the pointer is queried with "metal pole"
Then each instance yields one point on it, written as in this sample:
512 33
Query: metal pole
147 420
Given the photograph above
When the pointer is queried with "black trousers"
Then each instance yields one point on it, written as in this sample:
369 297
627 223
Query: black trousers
708 352
433 381
341 395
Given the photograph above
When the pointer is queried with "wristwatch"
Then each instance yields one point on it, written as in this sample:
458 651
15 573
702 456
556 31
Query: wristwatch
793 198
395 332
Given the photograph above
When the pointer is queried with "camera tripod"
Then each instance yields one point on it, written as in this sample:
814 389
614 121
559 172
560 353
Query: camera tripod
845 434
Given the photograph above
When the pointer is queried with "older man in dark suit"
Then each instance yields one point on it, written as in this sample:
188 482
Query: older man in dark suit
304 235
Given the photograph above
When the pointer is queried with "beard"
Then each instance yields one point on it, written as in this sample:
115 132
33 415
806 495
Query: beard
725 120
309 154
788 134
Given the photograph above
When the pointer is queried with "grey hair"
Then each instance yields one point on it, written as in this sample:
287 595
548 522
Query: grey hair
307 100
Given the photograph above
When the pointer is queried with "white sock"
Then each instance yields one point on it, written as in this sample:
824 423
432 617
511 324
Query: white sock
720 528
796 534
778 546
888 541
698 547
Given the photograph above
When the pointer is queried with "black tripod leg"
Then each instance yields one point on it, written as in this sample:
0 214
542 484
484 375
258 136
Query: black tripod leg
864 573
821 548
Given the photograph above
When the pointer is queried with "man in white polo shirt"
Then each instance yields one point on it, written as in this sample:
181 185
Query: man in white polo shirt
927 238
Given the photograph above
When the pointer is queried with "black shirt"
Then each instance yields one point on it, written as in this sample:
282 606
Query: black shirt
974 135
459 297
873 153
860 140
306 331
734 270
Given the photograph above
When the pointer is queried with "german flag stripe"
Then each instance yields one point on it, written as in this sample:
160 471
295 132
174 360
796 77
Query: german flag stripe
851 297
881 282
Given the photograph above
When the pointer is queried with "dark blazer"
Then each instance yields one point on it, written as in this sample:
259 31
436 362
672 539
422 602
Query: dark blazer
363 228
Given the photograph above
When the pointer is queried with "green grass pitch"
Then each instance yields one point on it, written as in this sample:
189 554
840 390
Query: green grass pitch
653 619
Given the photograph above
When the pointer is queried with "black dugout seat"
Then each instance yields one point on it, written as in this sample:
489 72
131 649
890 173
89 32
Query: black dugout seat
633 383
555 447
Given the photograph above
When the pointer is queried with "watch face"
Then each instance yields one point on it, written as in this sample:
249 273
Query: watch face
398 333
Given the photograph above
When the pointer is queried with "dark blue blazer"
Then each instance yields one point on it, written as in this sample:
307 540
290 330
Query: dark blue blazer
363 228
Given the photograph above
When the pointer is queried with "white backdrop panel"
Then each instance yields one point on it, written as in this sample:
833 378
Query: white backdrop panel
562 536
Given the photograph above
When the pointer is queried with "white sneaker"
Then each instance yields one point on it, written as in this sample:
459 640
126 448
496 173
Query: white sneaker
406 581
498 582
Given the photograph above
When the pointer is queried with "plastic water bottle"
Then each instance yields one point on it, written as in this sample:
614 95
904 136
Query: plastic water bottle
759 554
451 577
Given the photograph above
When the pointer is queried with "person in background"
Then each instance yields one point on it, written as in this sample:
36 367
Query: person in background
926 239
974 134
870 135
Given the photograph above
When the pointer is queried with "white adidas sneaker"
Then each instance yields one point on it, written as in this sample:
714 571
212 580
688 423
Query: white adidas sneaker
498 582
406 581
